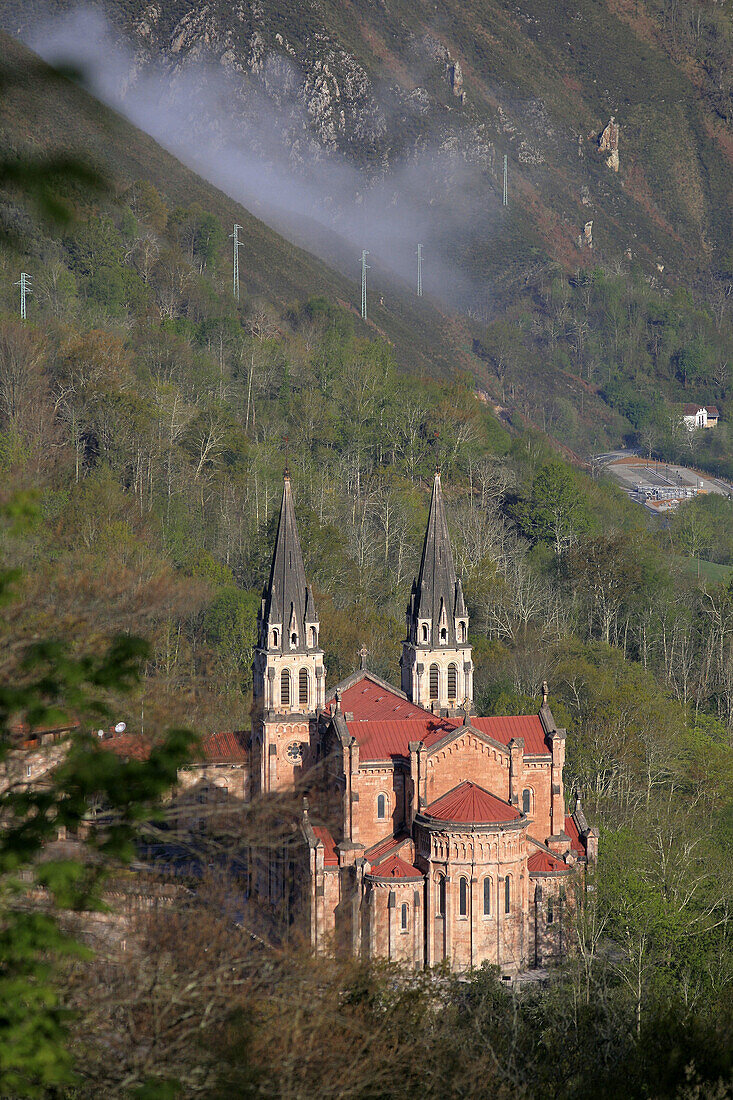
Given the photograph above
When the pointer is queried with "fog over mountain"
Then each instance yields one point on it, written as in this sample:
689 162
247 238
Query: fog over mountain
254 139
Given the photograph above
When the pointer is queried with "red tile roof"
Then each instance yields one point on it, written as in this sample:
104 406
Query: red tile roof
131 746
385 847
330 857
384 723
380 740
542 863
395 867
576 842
528 726
368 699
471 804
228 746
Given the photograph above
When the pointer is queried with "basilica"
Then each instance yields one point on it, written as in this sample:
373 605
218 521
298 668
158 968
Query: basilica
427 833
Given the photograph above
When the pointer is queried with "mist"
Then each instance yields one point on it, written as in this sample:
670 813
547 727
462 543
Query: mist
251 136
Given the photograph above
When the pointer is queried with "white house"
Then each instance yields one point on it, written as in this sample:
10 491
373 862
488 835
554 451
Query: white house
699 416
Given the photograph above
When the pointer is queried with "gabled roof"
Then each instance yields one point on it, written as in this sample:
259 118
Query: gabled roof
396 867
130 746
545 863
470 804
287 600
225 747
576 841
367 697
436 594
503 728
386 847
330 856
384 721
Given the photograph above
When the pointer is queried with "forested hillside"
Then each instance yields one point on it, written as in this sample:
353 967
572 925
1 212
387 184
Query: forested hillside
150 416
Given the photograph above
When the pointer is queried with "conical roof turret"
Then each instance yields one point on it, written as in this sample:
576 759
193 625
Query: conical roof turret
287 601
437 596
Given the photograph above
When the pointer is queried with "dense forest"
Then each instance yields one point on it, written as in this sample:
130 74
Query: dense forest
145 420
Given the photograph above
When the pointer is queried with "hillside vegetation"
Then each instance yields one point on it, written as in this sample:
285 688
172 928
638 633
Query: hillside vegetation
150 415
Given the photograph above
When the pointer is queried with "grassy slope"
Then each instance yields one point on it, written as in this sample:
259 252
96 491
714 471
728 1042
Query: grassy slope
272 269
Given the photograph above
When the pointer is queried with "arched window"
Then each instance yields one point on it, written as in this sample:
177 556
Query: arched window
404 916
443 636
526 801
285 688
313 637
303 687
550 910
463 898
508 894
425 632
275 638
487 897
293 640
452 681
461 632
381 807
440 897
434 682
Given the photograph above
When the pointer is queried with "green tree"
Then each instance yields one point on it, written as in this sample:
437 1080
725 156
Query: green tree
51 688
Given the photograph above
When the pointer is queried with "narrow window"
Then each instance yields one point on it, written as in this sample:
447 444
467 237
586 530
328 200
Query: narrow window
314 637
461 632
443 636
526 801
381 807
463 898
293 640
508 894
440 897
285 688
487 897
550 910
405 916
28 771
434 681
303 687
425 632
452 681
275 638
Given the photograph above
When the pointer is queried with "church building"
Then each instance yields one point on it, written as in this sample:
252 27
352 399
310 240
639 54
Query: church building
428 833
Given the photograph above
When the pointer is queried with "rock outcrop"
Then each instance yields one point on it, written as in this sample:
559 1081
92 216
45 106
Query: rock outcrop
608 143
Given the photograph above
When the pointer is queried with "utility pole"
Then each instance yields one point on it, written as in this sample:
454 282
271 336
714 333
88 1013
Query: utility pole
364 269
25 289
235 237
419 271
505 200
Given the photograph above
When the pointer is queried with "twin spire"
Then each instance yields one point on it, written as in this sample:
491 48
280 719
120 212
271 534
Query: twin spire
436 613
437 595
288 613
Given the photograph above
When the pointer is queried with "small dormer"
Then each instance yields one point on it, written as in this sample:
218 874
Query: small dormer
312 635
461 631
443 625
293 629
423 631
275 637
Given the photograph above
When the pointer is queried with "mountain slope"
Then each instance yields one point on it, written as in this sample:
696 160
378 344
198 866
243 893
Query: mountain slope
380 85
271 268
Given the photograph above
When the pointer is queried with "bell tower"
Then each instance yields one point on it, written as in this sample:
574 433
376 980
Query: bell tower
437 670
288 672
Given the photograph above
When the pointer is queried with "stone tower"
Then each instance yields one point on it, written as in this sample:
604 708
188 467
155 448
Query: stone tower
437 671
289 677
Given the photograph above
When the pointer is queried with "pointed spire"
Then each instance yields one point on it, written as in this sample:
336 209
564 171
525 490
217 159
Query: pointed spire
287 599
437 594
